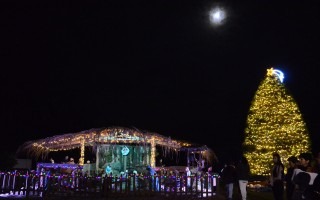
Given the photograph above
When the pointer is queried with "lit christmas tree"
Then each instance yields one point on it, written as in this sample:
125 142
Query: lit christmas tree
274 124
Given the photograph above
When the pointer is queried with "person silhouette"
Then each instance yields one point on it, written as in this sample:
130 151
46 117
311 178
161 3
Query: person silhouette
292 164
243 172
277 177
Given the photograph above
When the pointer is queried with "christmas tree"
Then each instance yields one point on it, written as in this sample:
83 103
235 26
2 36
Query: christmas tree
274 124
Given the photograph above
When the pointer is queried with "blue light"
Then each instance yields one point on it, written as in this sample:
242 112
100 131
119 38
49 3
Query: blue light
279 74
125 151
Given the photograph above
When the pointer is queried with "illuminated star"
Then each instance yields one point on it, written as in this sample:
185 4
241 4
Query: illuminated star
275 72
270 71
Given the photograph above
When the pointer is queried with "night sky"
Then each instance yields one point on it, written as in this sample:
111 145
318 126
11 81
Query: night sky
157 65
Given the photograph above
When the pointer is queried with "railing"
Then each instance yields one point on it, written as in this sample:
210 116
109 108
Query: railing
32 185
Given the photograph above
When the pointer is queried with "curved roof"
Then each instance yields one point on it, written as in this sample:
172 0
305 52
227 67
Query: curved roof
96 136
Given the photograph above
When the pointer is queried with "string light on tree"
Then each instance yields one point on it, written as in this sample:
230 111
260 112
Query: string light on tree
274 124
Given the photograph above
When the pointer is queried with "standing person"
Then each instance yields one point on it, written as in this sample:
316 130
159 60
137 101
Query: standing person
71 161
210 177
188 174
277 177
203 165
66 159
305 162
304 176
243 172
151 176
292 164
229 178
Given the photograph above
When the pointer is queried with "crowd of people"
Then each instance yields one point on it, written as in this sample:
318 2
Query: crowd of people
301 180
297 179
236 174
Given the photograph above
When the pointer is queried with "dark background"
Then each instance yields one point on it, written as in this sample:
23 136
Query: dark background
157 65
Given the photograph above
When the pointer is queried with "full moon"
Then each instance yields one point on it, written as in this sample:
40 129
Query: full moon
217 16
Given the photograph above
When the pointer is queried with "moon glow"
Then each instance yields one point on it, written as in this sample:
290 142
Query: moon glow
217 16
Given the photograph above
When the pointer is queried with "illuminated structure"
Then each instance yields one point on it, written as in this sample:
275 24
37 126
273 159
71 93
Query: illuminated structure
274 124
121 148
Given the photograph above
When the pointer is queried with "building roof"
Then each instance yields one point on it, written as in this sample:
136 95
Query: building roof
96 136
